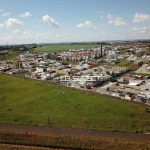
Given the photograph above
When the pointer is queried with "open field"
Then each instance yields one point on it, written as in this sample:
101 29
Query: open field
63 47
127 64
142 70
10 56
29 102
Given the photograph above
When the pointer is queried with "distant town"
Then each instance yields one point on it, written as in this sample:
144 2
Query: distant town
117 69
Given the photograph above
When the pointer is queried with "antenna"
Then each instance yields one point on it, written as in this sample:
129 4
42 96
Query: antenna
6 43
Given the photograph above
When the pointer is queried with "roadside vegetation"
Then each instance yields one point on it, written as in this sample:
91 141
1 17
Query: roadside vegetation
66 142
29 102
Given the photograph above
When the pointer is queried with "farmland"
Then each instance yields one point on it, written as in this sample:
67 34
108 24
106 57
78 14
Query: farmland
62 47
29 102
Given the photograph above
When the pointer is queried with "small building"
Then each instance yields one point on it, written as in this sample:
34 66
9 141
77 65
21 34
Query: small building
47 56
41 69
17 64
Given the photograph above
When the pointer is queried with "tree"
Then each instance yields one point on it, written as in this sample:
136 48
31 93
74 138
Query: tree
113 80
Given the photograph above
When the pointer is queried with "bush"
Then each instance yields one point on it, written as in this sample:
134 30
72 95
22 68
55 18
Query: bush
64 63
113 80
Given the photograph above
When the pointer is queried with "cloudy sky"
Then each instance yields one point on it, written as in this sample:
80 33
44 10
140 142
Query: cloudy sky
42 21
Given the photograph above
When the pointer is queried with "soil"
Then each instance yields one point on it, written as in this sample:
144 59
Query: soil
53 131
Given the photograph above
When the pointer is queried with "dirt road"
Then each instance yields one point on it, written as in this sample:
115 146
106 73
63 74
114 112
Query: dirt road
75 132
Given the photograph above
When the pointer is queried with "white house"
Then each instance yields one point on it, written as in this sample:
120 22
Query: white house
41 69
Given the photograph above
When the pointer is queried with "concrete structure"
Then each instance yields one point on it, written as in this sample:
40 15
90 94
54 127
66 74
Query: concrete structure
17 64
101 51
41 69
47 56
112 55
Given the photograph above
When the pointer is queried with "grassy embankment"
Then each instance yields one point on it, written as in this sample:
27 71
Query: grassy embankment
63 47
29 102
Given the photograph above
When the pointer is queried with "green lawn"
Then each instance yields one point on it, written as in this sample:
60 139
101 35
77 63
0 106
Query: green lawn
61 47
30 102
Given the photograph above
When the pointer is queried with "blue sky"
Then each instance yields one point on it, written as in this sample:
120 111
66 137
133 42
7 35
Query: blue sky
48 21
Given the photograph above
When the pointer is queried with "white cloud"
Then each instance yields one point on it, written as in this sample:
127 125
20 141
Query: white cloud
95 27
134 29
103 33
102 17
5 14
1 10
145 30
11 22
1 25
16 31
9 37
26 14
27 33
87 24
110 22
141 17
109 16
43 33
98 12
50 21
119 22
80 25
138 31
58 36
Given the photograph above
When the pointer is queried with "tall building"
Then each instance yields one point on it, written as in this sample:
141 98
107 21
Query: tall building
101 51
112 55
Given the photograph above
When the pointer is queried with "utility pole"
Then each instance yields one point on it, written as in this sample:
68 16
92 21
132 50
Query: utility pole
48 120
116 124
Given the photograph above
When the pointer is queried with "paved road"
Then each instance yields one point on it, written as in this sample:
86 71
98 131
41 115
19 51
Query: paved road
75 132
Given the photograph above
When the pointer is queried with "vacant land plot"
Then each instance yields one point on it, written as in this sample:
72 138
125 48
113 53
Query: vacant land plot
29 102
61 47
143 70
127 64
10 56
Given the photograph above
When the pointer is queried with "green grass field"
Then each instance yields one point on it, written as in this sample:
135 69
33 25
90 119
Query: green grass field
61 47
127 64
30 102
